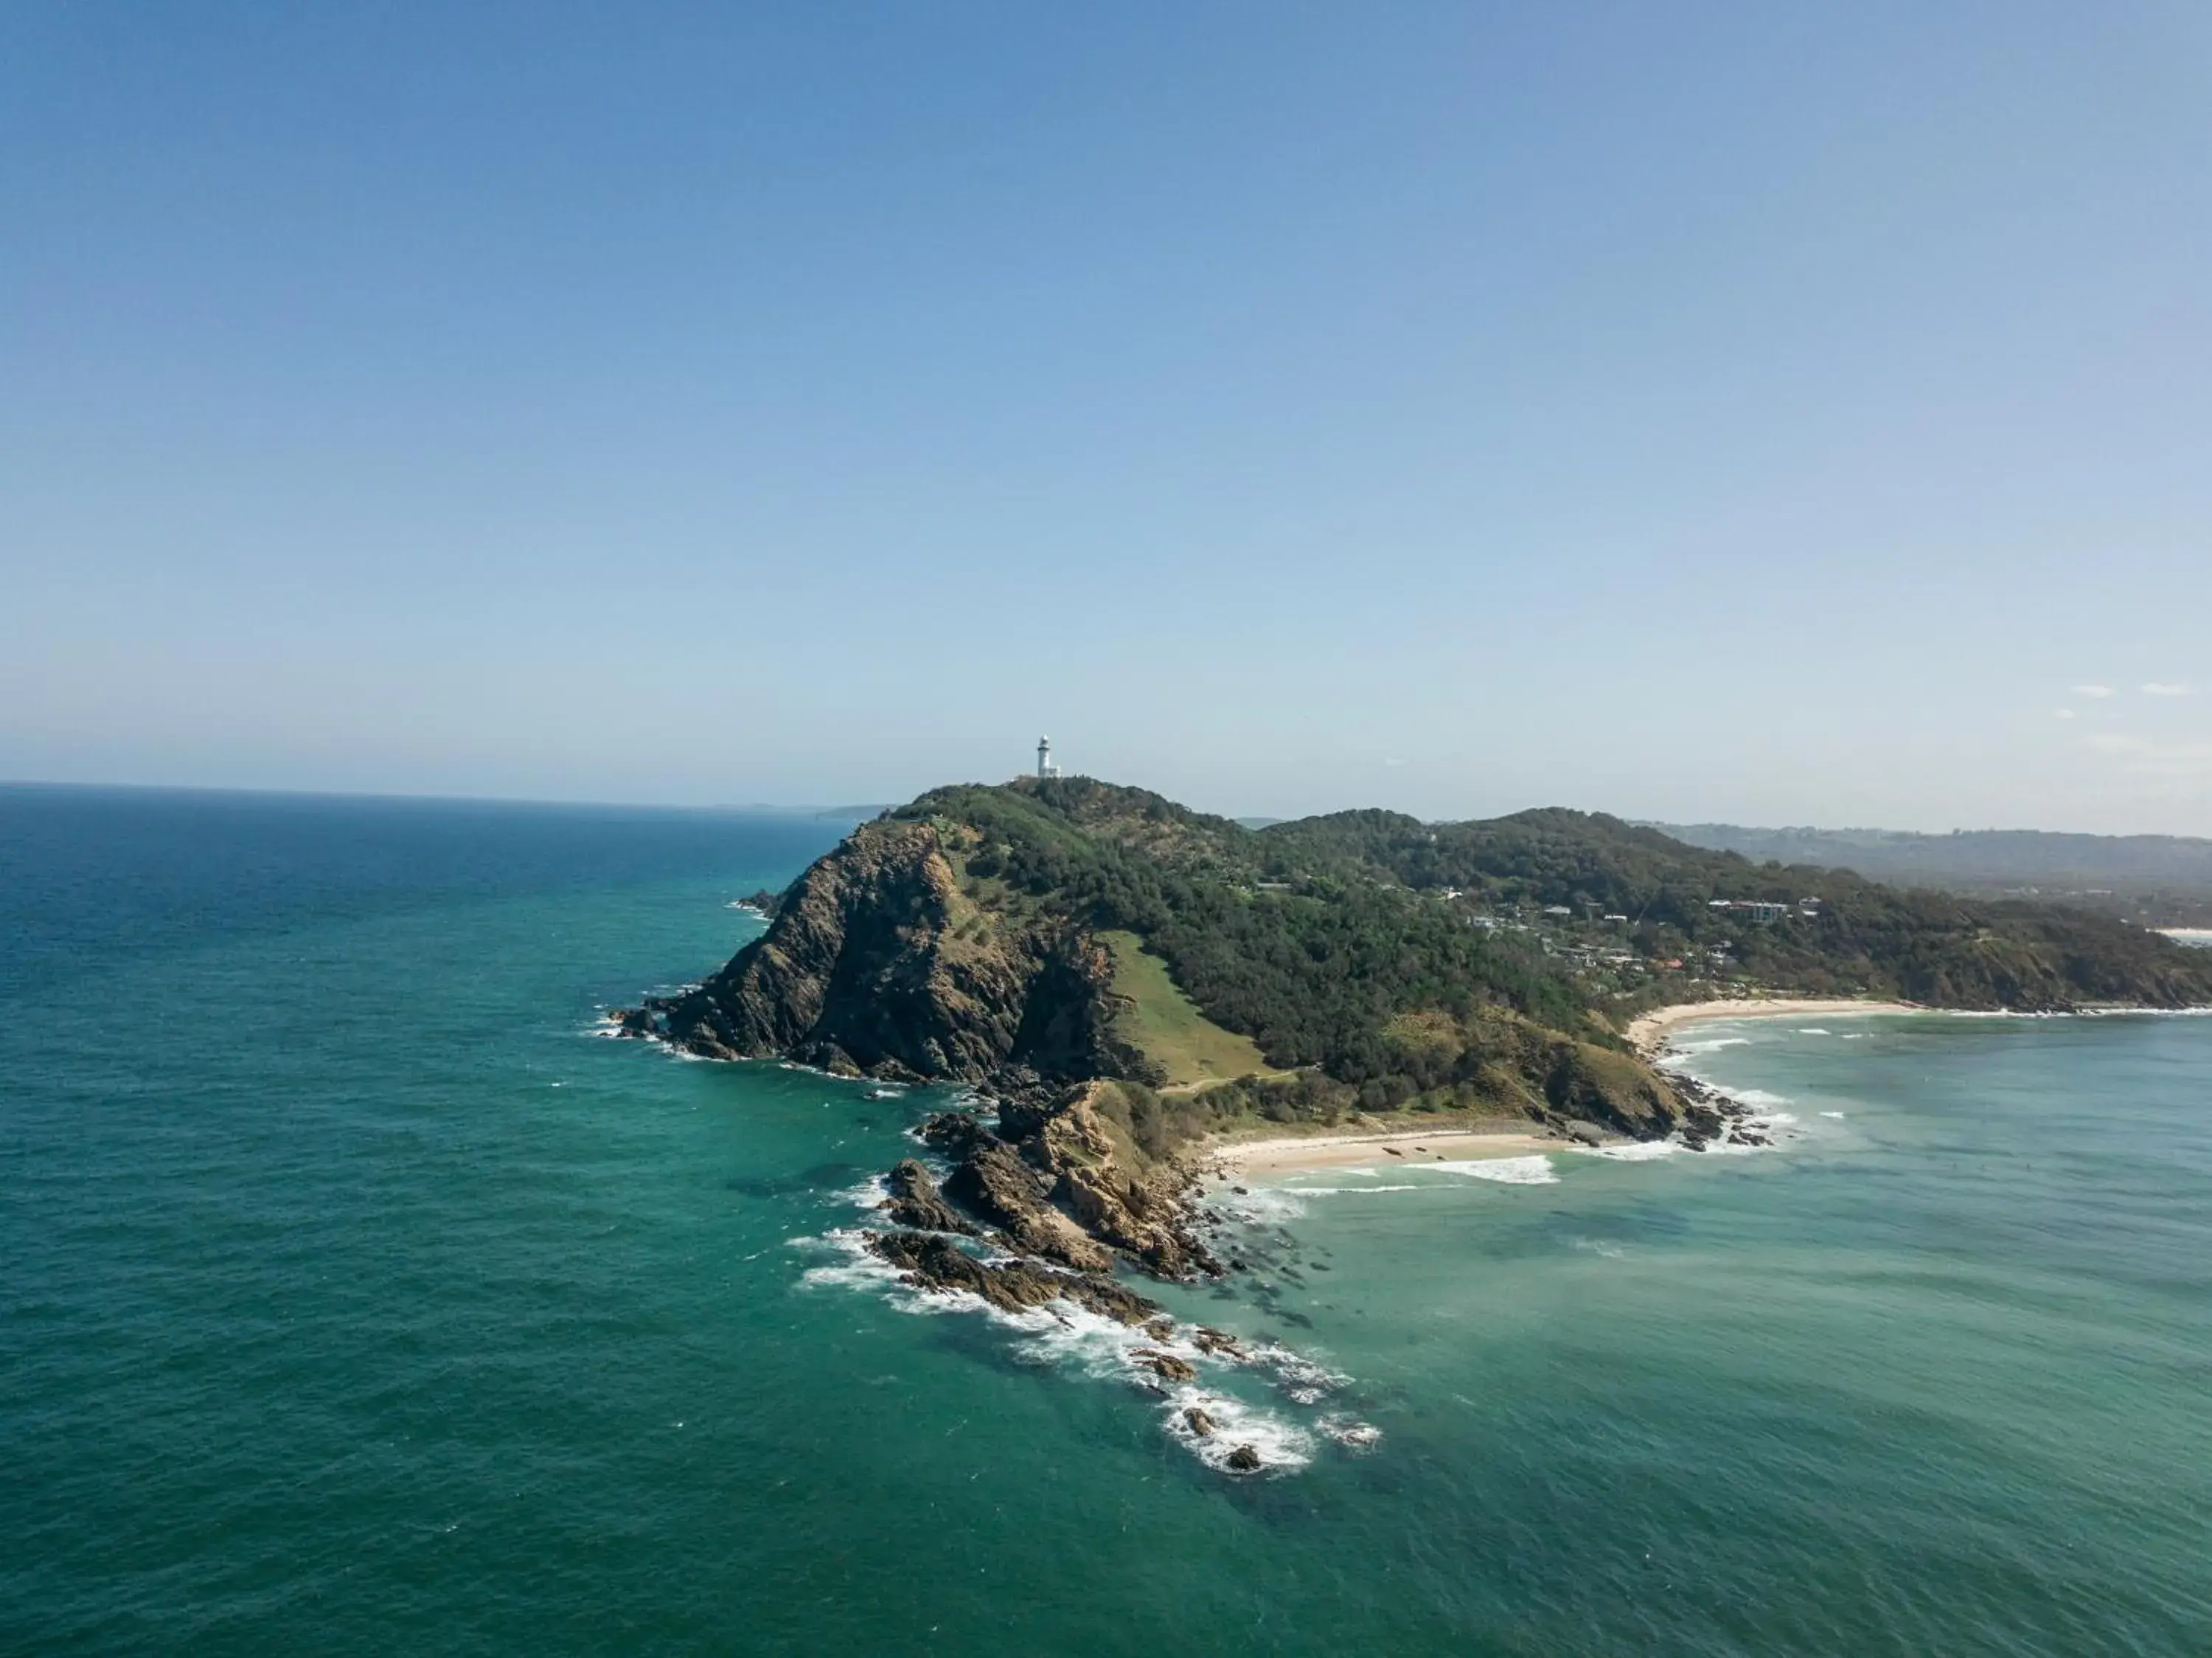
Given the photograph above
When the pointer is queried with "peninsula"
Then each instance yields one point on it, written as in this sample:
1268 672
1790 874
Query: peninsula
1131 983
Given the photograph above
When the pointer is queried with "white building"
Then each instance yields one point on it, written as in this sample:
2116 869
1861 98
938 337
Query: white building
1047 767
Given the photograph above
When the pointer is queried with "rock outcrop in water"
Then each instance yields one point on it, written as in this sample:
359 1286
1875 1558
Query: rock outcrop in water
931 1261
1064 1212
1062 1192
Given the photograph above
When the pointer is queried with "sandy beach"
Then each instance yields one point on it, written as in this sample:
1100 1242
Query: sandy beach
1653 1028
1354 1151
1290 1153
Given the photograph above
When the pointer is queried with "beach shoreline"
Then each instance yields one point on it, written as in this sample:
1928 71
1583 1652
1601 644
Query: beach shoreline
1443 1143
1648 1032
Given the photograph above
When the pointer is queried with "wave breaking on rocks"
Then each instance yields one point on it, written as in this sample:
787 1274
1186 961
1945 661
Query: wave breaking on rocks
978 1234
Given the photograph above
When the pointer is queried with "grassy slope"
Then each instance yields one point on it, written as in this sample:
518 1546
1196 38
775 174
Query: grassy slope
1167 1025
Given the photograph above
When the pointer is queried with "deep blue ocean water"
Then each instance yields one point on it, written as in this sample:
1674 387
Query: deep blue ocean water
357 1298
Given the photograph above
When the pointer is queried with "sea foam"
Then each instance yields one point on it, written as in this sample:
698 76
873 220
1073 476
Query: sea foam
1684 1048
1266 1206
1505 1171
1283 1447
1062 1335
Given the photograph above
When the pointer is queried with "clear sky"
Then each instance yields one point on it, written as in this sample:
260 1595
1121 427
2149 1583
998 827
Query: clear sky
1781 413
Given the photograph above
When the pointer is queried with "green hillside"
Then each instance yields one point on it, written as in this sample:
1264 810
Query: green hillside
1070 930
1165 1025
1309 936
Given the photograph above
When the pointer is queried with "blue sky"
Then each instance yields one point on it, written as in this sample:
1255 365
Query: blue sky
1768 413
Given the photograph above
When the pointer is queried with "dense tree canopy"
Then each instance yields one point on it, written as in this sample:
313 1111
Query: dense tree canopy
1313 937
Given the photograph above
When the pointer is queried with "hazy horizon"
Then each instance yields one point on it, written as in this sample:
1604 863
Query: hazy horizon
1734 414
835 808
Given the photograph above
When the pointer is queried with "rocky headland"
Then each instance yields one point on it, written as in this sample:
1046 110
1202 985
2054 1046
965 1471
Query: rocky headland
1120 982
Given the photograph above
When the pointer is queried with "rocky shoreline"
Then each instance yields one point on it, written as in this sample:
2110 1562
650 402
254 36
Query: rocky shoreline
1043 1200
1046 1196
1713 1117
1046 1189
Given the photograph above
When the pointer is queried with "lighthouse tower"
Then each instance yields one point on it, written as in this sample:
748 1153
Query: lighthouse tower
1045 766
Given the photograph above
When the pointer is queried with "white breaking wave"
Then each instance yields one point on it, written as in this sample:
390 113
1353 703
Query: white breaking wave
1266 1206
1814 1030
871 1194
1734 1149
1689 1050
856 1269
1506 1171
1643 1151
1282 1446
1350 1430
1298 1371
606 1028
1062 1335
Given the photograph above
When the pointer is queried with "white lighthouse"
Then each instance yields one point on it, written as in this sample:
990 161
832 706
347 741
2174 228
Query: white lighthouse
1045 767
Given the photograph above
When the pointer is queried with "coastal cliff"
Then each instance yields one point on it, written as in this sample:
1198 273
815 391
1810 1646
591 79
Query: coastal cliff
876 962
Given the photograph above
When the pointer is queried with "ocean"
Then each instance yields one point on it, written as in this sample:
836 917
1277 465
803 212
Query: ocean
359 1298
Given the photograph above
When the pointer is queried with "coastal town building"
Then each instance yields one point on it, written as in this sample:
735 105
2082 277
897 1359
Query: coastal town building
1760 912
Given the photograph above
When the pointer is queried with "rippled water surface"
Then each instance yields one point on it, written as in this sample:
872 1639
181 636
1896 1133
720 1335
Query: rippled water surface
357 1299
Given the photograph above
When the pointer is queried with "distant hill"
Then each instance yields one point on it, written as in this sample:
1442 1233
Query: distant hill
2158 879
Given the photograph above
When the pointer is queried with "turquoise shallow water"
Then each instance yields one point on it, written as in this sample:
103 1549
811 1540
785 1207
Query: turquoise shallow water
357 1300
